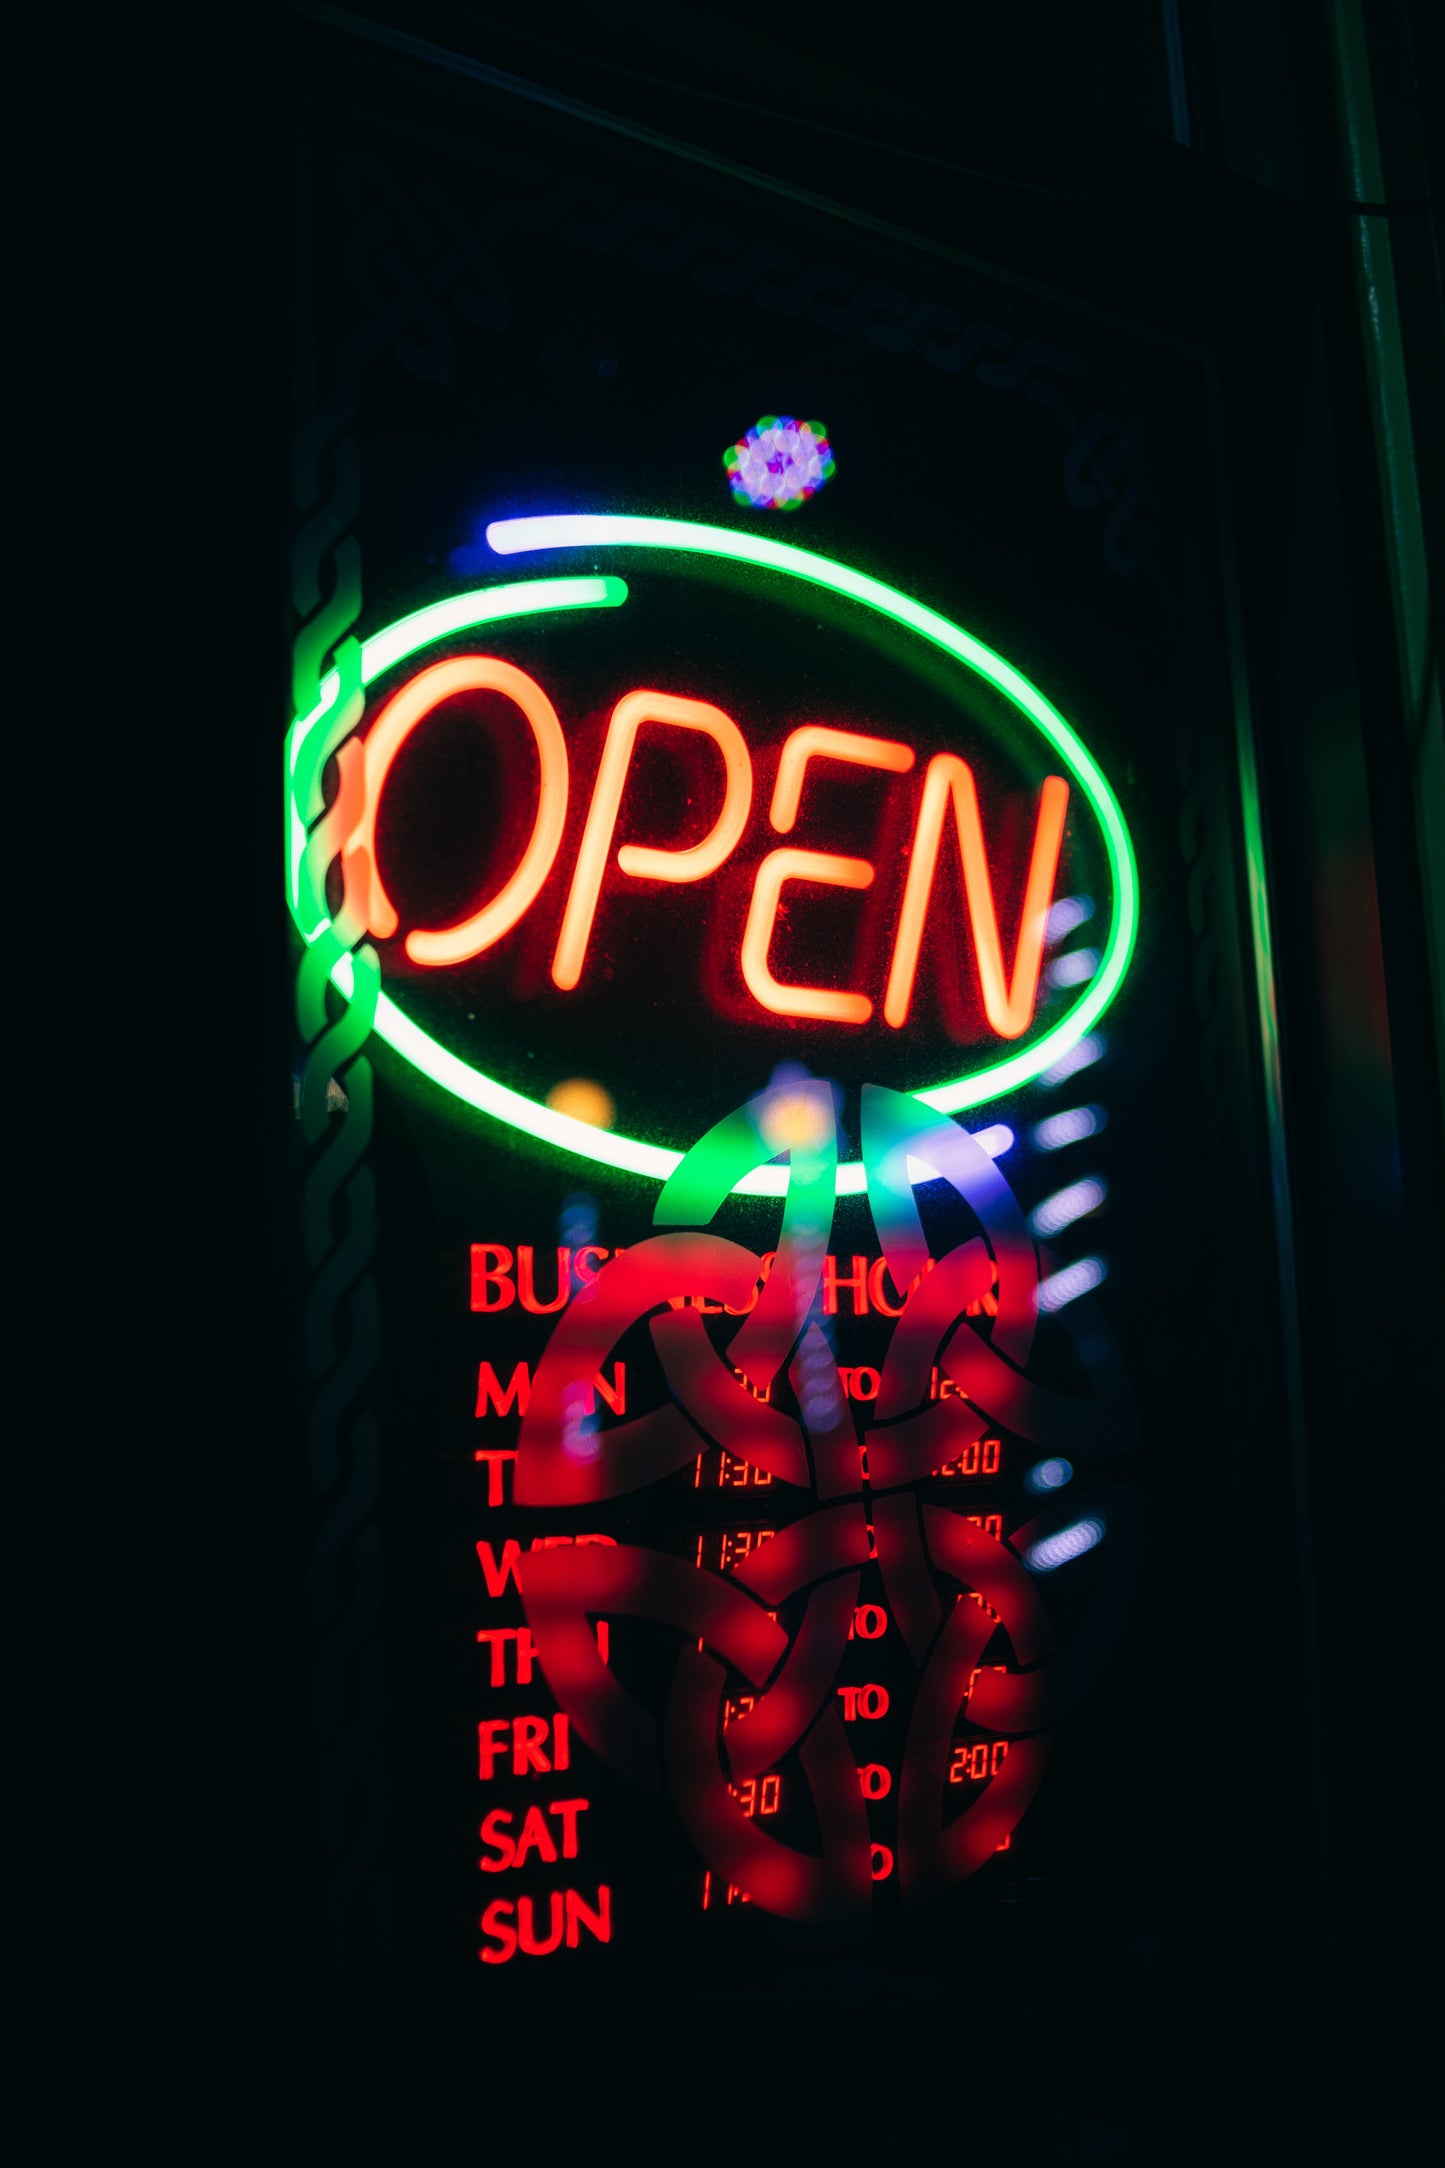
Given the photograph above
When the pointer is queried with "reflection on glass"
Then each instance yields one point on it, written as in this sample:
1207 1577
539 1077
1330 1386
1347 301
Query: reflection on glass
1067 913
1078 1057
1071 1542
577 1220
1057 1130
1073 969
1050 1475
779 464
1067 1286
1067 1205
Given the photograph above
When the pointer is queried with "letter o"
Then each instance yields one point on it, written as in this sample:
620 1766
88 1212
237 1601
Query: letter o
873 1700
385 739
882 1862
870 1621
875 1781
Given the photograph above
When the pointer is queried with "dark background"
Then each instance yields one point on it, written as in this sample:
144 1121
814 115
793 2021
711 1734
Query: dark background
1202 191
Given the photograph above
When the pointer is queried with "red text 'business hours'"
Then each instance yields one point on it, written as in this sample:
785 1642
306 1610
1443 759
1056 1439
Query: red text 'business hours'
735 809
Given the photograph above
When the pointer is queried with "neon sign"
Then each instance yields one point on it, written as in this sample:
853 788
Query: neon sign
948 789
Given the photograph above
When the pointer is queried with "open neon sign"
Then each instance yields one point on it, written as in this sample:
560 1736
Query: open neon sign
1008 994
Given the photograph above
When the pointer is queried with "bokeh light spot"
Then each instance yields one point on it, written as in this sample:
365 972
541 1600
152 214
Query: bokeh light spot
585 1100
779 464
797 1122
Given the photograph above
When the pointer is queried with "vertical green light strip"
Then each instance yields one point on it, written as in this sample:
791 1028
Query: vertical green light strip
1271 1062
1389 395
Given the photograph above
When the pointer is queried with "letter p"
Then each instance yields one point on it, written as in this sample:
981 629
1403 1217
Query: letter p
646 863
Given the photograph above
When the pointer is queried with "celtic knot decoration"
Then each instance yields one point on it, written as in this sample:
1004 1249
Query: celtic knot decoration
970 1315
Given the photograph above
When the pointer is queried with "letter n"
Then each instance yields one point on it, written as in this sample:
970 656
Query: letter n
614 1394
1008 999
579 1915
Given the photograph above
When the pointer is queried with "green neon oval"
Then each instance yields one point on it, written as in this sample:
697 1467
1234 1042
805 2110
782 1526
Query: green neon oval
488 605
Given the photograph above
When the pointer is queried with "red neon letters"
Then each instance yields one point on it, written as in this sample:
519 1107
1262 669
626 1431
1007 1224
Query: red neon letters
811 743
529 1745
1008 1004
385 739
536 1836
1008 994
567 1915
628 717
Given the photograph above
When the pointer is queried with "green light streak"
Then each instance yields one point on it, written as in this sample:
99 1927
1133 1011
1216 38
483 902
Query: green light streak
457 613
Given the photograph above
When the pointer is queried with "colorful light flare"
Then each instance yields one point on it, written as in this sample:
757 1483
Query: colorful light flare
1067 913
779 464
